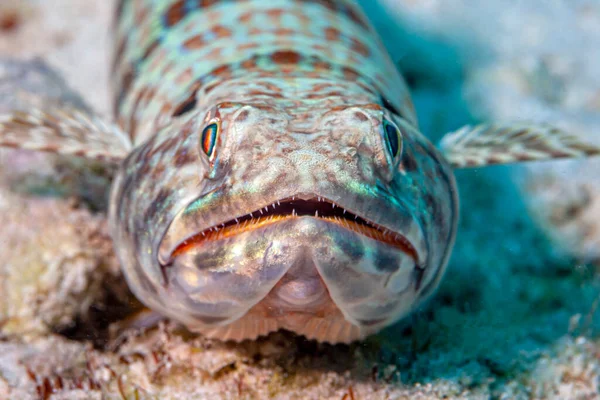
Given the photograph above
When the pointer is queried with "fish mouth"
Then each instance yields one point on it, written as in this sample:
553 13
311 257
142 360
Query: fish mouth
295 207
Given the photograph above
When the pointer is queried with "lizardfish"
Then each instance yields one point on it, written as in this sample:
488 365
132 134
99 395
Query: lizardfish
271 173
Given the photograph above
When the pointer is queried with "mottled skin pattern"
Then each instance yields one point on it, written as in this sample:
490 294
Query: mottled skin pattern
301 89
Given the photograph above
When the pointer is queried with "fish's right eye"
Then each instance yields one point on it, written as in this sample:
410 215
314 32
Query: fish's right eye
208 140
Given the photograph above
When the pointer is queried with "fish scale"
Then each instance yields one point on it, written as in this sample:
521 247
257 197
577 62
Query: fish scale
271 174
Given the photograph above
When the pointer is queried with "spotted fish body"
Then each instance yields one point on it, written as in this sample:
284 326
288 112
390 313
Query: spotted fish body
301 89
271 173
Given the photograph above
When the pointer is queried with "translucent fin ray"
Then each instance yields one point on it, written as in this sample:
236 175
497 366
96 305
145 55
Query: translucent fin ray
483 145
66 131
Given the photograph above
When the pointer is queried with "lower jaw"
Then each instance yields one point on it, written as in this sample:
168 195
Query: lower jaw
322 321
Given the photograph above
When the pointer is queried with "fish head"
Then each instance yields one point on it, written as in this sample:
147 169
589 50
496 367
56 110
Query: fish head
332 223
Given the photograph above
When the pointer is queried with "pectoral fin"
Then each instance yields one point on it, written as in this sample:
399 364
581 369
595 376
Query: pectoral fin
65 131
502 144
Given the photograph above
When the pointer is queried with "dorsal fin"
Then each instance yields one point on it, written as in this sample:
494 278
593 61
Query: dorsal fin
481 145
66 131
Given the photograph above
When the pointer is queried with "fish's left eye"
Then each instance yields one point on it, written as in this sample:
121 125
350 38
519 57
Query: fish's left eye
393 138
209 138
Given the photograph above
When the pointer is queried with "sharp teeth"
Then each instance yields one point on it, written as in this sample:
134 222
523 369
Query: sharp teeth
316 213
251 216
332 205
293 212
319 198
236 221
261 213
344 211
278 203
267 208
203 234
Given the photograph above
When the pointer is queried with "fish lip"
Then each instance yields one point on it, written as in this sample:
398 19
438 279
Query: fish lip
395 239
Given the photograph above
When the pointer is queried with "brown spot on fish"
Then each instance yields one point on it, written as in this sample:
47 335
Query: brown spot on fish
214 54
223 71
249 64
175 13
372 106
221 32
349 73
248 46
166 109
149 50
361 116
284 32
158 171
360 47
332 34
286 57
207 3
194 43
246 17
275 13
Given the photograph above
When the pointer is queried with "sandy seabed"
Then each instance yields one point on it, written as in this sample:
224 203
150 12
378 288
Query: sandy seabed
516 316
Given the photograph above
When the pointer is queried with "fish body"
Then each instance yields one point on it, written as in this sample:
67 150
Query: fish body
271 171
297 89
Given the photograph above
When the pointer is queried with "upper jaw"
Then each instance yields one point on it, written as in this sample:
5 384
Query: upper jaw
410 241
